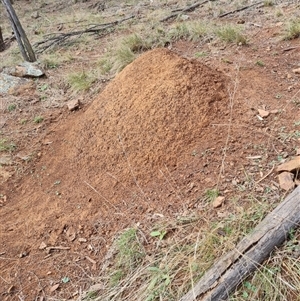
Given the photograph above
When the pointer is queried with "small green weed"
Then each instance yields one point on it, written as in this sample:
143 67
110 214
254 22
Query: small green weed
158 233
260 63
211 194
43 87
6 146
11 107
38 119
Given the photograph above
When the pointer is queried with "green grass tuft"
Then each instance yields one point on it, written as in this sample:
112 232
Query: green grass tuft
231 34
293 30
81 81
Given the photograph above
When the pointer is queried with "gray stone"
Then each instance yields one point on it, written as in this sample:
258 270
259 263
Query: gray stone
8 82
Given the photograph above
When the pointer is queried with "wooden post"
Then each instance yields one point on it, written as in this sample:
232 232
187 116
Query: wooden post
24 44
2 44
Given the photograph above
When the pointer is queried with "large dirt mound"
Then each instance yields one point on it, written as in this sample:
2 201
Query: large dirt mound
150 116
114 164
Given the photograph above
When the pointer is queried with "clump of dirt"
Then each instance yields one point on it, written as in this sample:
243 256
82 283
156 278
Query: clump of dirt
150 115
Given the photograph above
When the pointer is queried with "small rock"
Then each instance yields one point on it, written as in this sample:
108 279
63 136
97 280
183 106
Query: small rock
26 69
8 83
286 180
263 113
296 71
184 17
81 239
288 76
5 160
274 111
290 88
290 166
73 105
23 254
218 201
35 15
71 234
42 246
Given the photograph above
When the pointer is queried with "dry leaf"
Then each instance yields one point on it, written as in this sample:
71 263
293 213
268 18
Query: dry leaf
54 288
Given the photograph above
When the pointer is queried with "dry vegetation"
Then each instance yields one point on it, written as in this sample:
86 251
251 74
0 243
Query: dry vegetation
163 260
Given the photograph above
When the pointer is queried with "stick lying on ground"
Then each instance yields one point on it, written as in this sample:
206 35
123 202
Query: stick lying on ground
58 38
224 277
184 10
239 9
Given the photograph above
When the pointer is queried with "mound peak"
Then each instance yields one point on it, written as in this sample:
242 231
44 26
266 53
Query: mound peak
150 115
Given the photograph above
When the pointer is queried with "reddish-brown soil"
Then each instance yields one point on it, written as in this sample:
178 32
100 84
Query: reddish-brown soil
162 132
110 166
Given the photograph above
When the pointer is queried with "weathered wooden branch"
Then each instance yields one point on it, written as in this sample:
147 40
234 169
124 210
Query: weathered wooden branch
2 44
184 10
240 9
59 38
234 267
23 42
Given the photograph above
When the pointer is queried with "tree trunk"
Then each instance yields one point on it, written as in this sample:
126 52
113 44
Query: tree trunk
234 267
2 44
24 45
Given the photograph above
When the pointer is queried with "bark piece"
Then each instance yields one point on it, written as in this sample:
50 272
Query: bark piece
2 44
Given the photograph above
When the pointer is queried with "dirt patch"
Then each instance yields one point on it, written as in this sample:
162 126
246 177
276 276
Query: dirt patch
106 168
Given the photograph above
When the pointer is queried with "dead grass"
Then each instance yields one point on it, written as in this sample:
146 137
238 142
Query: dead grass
143 266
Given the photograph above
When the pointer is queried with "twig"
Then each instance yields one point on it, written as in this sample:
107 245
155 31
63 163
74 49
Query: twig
288 49
59 38
265 175
49 249
239 9
103 197
184 10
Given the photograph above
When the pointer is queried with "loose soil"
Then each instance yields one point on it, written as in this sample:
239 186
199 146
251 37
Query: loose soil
164 130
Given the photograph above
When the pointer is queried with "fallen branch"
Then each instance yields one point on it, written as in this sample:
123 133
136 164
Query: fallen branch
59 38
239 9
184 10
225 276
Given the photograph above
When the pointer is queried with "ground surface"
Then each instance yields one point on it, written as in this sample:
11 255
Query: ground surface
150 142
